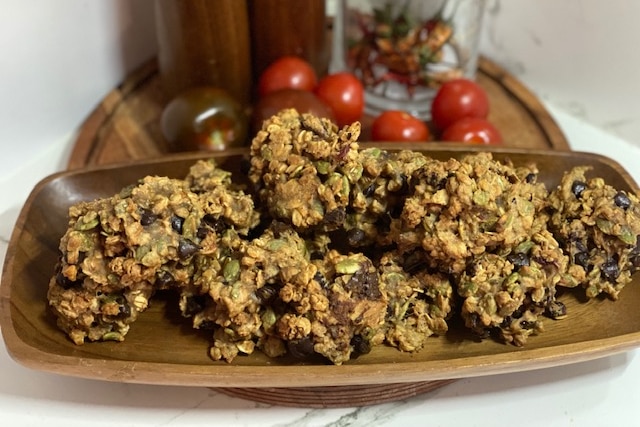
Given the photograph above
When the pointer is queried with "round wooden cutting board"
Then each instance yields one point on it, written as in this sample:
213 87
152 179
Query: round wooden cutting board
125 127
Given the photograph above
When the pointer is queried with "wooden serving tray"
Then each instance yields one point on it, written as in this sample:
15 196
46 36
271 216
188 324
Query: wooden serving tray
162 349
125 125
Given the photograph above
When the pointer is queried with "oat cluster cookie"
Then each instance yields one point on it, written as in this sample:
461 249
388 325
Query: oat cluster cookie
598 227
336 249
118 251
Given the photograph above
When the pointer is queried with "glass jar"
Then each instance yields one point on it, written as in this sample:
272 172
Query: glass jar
402 51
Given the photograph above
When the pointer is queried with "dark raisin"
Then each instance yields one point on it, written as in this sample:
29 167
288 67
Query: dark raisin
335 217
556 309
64 281
194 304
279 228
176 223
634 259
364 285
356 237
368 192
578 187
148 217
610 270
124 309
300 348
581 247
383 224
531 178
518 259
322 281
396 210
581 259
622 200
186 248
442 184
164 279
414 262
217 224
634 256
202 232
266 294
245 166
207 324
471 269
360 345
525 324
506 322
516 314
404 184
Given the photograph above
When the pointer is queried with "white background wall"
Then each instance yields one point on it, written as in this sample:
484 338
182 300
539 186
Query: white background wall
581 55
59 58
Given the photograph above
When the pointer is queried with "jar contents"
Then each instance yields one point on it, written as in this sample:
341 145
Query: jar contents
403 51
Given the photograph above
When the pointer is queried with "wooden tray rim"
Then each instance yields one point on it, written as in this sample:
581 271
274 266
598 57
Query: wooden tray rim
229 375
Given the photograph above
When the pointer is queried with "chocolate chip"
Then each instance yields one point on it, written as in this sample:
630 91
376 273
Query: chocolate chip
578 187
368 192
518 259
266 294
610 271
531 178
186 248
622 200
176 223
148 217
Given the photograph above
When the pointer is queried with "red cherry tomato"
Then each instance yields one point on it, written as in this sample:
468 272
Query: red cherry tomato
394 125
456 99
472 129
301 100
288 72
344 94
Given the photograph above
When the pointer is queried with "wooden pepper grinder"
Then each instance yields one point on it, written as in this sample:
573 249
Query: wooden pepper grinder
204 42
289 27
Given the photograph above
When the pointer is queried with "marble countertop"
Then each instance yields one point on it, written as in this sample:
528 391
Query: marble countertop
600 392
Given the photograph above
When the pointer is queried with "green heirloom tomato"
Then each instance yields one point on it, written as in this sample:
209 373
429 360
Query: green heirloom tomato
204 118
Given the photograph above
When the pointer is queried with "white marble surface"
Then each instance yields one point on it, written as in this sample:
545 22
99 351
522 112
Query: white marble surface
596 393
580 55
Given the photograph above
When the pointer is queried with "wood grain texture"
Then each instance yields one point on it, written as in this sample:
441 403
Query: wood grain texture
162 348
204 42
125 125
